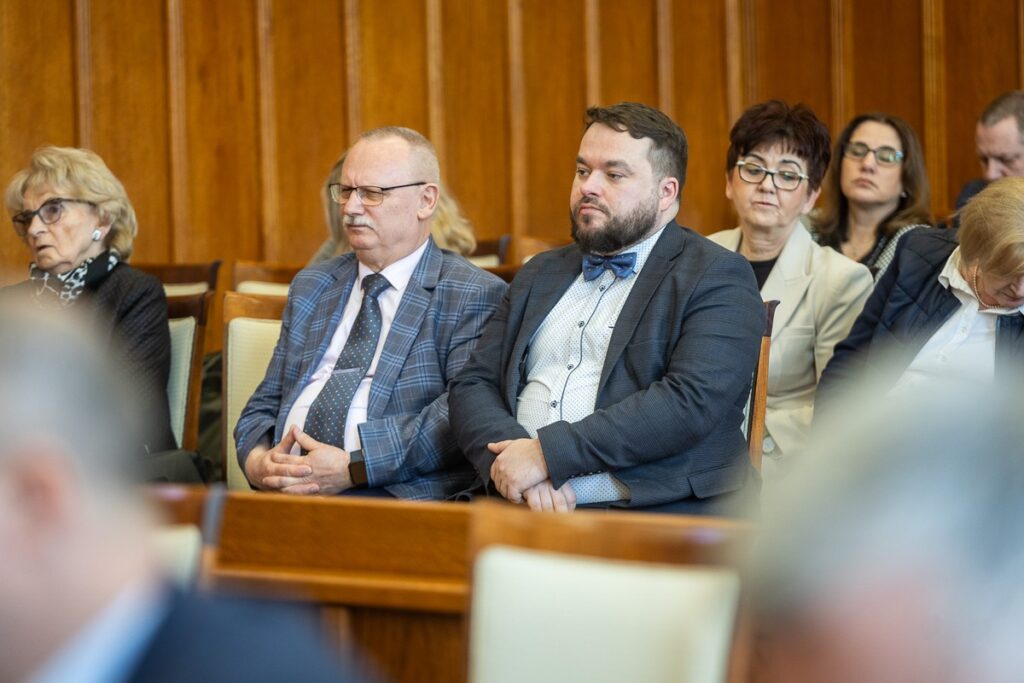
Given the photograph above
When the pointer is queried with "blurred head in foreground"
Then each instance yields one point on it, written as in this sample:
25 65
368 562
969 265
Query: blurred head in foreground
71 532
896 552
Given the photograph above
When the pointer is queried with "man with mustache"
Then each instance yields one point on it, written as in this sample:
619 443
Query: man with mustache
354 400
615 372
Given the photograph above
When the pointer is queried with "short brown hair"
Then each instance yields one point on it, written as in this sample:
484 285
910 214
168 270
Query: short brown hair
794 128
668 141
1006 105
830 221
992 228
79 174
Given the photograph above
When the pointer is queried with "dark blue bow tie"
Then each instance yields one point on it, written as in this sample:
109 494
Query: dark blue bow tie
620 264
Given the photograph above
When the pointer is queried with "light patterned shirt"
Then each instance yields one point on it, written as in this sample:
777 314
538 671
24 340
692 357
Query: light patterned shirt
565 359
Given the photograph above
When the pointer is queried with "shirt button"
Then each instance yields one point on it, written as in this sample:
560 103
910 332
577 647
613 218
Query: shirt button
579 324
570 366
601 288
554 404
768 445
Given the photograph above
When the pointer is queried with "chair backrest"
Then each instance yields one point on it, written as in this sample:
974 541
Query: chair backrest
261 271
549 616
260 288
759 390
187 321
522 247
181 279
693 555
252 325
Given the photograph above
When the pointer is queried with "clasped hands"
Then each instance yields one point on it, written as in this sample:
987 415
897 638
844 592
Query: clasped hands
520 474
323 470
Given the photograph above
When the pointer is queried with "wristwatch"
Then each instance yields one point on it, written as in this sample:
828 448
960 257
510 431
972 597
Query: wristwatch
357 468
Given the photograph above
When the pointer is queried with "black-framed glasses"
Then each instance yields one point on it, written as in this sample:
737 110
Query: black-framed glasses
370 195
783 179
49 213
885 155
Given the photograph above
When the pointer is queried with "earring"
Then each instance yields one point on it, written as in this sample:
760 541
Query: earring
903 194
96 235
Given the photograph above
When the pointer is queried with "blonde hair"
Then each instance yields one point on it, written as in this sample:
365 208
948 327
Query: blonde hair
79 174
992 228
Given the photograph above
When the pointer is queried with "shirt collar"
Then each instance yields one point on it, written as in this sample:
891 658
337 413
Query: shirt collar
398 273
952 279
643 249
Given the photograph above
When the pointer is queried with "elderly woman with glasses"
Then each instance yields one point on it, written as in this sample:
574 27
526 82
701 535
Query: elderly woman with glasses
76 219
875 191
776 159
951 305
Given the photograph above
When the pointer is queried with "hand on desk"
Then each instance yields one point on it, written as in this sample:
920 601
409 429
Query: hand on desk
323 470
519 466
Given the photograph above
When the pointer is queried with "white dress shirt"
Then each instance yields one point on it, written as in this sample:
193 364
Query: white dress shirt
563 366
965 346
398 274
111 646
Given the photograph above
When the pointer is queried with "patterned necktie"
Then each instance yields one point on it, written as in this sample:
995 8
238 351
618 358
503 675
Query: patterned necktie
620 264
326 419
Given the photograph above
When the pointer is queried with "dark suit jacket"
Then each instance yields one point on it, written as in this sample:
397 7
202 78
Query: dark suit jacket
406 441
674 381
211 639
907 307
130 307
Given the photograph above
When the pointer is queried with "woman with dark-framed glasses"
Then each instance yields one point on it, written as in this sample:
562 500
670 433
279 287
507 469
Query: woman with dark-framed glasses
777 157
875 191
75 218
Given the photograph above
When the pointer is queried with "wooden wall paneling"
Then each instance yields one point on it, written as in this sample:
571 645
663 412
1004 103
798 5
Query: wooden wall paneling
982 36
842 12
936 134
794 54
307 92
37 68
477 153
221 137
702 109
628 51
128 114
393 65
553 62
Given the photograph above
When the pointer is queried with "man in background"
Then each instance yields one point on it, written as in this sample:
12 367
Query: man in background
999 139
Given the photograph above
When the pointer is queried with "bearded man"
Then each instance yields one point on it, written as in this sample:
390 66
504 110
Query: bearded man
615 372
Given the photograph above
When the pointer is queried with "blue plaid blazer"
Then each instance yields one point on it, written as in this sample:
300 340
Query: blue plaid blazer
406 440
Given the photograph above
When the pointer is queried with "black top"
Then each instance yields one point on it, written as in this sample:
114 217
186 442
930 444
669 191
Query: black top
762 269
131 308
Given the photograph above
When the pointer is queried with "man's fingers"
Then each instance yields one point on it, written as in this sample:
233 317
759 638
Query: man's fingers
302 489
561 504
546 500
497 447
569 493
305 440
288 469
280 483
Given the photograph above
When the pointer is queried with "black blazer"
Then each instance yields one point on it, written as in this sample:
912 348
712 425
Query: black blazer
673 386
130 308
216 639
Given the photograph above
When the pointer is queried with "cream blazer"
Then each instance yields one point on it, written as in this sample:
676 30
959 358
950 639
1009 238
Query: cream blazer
821 292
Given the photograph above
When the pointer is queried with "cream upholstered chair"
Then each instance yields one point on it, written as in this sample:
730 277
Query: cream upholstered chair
251 327
183 339
260 288
542 616
179 548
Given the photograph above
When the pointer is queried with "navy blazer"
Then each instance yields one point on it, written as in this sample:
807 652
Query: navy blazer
674 383
907 307
406 441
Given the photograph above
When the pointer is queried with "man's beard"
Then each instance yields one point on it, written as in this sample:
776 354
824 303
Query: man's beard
618 231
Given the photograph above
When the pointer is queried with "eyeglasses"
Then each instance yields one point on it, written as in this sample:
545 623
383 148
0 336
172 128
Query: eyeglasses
49 213
370 195
782 179
885 155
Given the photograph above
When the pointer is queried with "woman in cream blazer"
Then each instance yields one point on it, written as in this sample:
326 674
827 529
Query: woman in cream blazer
777 157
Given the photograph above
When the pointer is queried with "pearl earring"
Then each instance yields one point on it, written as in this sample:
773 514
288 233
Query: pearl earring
96 235
903 194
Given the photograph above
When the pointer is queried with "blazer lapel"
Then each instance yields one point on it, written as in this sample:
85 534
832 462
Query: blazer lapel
789 279
404 328
659 263
326 316
546 290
